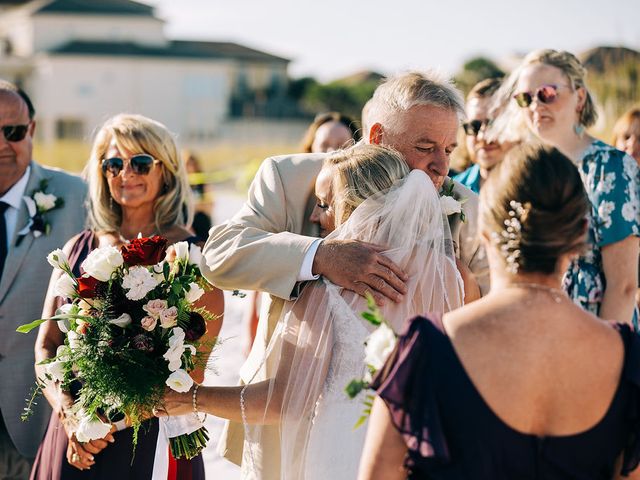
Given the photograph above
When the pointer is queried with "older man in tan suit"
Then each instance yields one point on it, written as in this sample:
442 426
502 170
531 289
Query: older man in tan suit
270 245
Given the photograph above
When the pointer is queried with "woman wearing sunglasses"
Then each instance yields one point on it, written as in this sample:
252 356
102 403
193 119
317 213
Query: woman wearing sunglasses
547 96
137 185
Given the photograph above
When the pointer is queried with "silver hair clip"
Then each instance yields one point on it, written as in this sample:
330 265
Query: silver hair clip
509 237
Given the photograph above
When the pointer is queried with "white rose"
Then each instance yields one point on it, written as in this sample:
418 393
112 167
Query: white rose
102 262
379 345
58 259
194 293
450 205
91 429
180 381
44 201
122 321
138 281
65 286
182 251
195 254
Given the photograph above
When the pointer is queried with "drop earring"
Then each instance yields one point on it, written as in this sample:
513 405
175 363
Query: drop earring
579 129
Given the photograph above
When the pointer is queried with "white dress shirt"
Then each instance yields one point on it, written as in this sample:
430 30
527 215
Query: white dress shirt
13 198
306 270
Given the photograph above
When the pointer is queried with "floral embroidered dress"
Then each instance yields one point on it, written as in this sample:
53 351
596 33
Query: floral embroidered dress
612 181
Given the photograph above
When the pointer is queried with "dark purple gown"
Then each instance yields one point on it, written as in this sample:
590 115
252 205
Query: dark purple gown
452 434
117 461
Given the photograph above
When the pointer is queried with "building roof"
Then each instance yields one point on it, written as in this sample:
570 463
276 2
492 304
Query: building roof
173 49
96 7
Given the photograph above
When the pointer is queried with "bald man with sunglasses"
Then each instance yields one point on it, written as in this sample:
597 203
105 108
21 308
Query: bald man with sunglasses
24 271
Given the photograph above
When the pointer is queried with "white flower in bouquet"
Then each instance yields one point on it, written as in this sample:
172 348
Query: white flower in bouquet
65 309
450 205
177 337
176 348
91 429
122 321
85 308
65 286
379 346
169 317
148 323
58 259
44 201
194 293
158 271
195 254
182 251
102 262
138 281
180 381
56 370
154 307
74 339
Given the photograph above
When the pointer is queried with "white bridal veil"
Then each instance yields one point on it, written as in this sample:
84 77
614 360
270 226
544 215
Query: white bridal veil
325 320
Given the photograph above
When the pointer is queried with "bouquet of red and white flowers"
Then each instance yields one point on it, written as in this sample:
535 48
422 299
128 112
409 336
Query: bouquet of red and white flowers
131 328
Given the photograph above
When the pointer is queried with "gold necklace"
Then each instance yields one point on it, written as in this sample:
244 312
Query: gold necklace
555 293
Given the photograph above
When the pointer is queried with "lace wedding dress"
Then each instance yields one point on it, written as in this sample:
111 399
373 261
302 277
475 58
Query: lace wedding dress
319 342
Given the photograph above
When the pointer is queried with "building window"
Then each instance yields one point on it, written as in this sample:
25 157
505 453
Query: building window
69 129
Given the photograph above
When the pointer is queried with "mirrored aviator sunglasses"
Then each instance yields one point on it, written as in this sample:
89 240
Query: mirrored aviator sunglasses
140 164
545 94
15 133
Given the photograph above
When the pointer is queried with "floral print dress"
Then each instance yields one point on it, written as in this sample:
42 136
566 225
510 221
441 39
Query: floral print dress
612 181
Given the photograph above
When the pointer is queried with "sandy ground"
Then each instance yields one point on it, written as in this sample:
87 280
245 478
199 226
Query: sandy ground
228 355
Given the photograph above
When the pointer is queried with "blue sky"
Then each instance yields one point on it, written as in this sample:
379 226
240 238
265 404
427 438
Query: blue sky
332 38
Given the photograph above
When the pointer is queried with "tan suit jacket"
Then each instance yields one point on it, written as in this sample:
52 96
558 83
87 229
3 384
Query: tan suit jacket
262 248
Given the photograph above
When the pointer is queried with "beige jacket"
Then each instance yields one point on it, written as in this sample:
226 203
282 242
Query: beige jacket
262 248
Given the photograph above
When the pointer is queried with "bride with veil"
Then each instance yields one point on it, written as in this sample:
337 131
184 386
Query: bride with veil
318 344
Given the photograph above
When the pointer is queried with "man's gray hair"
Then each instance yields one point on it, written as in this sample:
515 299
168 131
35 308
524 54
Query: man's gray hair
402 92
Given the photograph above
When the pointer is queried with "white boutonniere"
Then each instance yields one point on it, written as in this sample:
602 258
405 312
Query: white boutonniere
39 203
450 204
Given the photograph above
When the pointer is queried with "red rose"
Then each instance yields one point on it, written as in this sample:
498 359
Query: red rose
87 286
144 251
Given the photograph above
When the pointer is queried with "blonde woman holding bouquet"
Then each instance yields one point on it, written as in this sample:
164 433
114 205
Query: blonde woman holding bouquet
138 186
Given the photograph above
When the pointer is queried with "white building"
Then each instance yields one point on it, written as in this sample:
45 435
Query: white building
82 61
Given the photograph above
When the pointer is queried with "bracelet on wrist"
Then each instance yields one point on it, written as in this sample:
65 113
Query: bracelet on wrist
194 403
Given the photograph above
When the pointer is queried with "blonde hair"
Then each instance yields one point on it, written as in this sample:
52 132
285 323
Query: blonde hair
400 93
624 122
138 134
359 173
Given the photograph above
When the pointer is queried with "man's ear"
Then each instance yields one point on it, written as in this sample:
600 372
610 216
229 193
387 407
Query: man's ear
375 134
32 128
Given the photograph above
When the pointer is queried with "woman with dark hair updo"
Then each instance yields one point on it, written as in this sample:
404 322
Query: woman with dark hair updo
509 387
547 97
329 132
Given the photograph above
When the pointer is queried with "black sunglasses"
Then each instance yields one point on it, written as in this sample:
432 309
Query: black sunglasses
15 133
140 164
473 127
